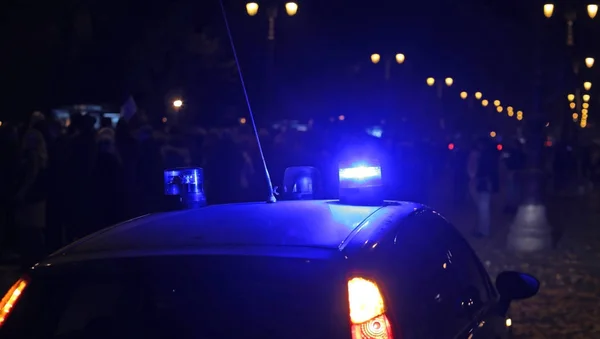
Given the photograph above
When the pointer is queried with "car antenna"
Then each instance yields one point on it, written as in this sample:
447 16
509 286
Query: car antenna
271 197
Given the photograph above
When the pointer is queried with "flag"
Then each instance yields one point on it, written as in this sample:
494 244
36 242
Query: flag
128 109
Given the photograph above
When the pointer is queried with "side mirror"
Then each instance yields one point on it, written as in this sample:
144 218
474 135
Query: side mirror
516 286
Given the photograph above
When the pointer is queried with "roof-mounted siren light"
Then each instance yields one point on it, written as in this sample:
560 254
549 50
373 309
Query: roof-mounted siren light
360 183
301 183
187 185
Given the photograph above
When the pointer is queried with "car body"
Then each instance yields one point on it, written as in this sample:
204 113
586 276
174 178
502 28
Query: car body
293 269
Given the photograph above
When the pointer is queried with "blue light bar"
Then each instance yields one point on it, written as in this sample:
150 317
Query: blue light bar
360 183
360 173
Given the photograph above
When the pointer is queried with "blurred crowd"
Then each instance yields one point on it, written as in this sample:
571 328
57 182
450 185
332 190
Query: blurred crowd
59 183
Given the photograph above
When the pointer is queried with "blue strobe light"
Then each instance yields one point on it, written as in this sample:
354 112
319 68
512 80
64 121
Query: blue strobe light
360 183
187 184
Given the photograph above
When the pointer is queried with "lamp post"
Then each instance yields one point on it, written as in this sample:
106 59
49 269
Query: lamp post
272 12
388 61
448 82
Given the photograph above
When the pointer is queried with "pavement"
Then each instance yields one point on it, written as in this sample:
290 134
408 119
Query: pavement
568 304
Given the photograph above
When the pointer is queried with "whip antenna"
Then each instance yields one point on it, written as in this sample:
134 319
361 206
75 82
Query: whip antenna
271 198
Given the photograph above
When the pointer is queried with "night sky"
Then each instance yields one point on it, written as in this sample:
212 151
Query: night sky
65 52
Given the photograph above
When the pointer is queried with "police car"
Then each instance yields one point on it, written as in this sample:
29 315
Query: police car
359 268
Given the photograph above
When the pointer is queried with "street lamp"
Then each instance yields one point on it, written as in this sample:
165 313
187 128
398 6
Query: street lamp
571 97
484 102
492 134
430 81
586 97
449 81
252 8
291 8
496 102
375 58
587 85
592 10
499 109
585 105
463 95
400 58
589 62
478 95
572 105
177 103
548 10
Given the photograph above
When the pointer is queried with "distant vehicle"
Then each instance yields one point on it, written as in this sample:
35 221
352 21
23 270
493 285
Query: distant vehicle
358 267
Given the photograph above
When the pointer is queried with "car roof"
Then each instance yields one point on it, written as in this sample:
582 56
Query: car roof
305 223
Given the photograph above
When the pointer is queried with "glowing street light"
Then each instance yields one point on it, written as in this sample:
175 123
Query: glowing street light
478 95
571 97
548 10
430 81
463 95
586 97
585 105
589 62
400 58
575 116
177 103
291 8
592 10
510 113
496 103
492 134
252 8
243 121
375 58
499 109
572 105
587 85
449 81
484 102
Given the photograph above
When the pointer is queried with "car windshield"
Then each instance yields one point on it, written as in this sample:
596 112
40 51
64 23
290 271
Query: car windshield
182 298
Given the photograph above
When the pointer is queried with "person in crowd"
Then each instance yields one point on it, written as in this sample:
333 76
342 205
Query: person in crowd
30 213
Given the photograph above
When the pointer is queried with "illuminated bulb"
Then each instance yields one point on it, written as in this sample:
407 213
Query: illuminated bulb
592 10
341 118
510 113
177 103
571 97
492 134
243 121
589 62
375 58
499 109
519 117
400 58
509 108
449 81
484 102
587 85
463 95
508 322
585 105
478 95
572 105
252 8
575 115
519 113
291 8
496 102
584 111
430 81
586 97
548 10
583 124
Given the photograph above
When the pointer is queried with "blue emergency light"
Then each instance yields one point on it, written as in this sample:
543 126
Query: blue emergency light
301 183
360 183
187 185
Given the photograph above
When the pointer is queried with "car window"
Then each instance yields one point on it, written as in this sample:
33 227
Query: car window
428 301
182 298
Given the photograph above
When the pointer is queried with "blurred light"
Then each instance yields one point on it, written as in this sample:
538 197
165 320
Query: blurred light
572 105
492 134
252 8
463 95
547 124
509 108
592 10
589 62
519 113
548 143
177 103
400 58
583 123
499 109
508 322
548 10
575 116
499 147
430 81
586 97
291 8
375 58
243 121
478 95
587 85
342 118
510 113
449 81
571 97
484 102
451 146
519 117
164 120
0 123
584 111
496 102
360 172
585 105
